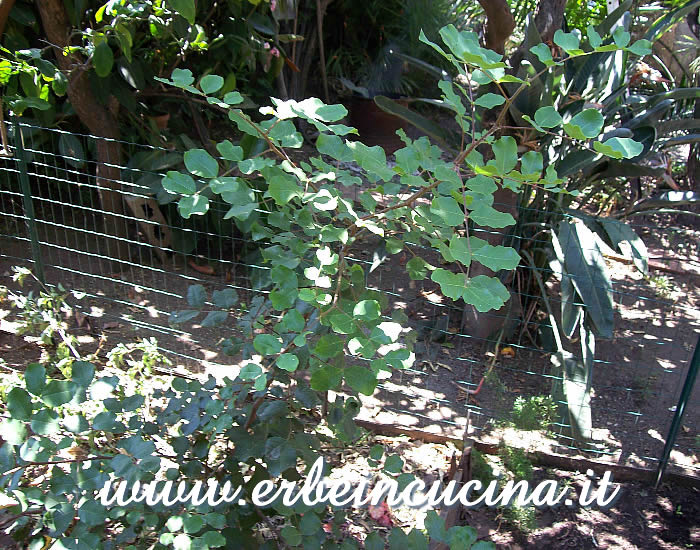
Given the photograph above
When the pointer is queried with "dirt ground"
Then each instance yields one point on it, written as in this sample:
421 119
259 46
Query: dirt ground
640 519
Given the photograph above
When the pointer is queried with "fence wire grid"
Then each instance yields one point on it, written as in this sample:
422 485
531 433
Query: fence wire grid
638 375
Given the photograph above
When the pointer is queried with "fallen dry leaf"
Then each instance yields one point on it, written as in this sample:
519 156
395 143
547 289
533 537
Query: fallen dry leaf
205 269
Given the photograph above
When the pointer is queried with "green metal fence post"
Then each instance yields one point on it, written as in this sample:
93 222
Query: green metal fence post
28 203
680 409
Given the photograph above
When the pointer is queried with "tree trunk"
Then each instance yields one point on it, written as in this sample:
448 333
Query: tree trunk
307 57
99 121
5 8
500 24
549 17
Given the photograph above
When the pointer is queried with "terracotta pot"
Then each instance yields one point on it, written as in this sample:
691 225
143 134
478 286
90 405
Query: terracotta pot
376 127
161 120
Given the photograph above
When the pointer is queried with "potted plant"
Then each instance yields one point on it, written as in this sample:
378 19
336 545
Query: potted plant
384 78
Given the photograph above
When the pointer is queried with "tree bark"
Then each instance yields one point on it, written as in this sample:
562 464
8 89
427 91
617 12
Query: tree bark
99 121
499 24
5 8
549 17
307 56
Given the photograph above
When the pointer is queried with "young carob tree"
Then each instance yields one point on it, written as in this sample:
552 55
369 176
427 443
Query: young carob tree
317 328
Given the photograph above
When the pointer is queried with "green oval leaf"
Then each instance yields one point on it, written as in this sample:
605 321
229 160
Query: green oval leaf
448 210
186 8
58 392
212 539
211 83
568 41
417 268
19 404
506 151
14 431
393 464
547 117
326 378
487 216
494 257
193 523
490 100
291 535
328 346
288 362
196 295
543 53
179 184
45 422
594 38
361 379
267 344
59 84
451 284
82 373
200 163
585 125
225 299
619 148
103 59
250 371
230 151
621 37
35 378
367 310
485 293
214 318
640 47
196 205
182 77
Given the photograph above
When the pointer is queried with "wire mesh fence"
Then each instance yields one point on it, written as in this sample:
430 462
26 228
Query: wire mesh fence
135 264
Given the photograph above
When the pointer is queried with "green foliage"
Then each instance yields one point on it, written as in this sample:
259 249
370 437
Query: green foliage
129 422
314 317
125 45
534 413
522 518
579 14
44 315
516 467
516 461
662 285
122 47
570 98
329 319
582 13
481 469
519 468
